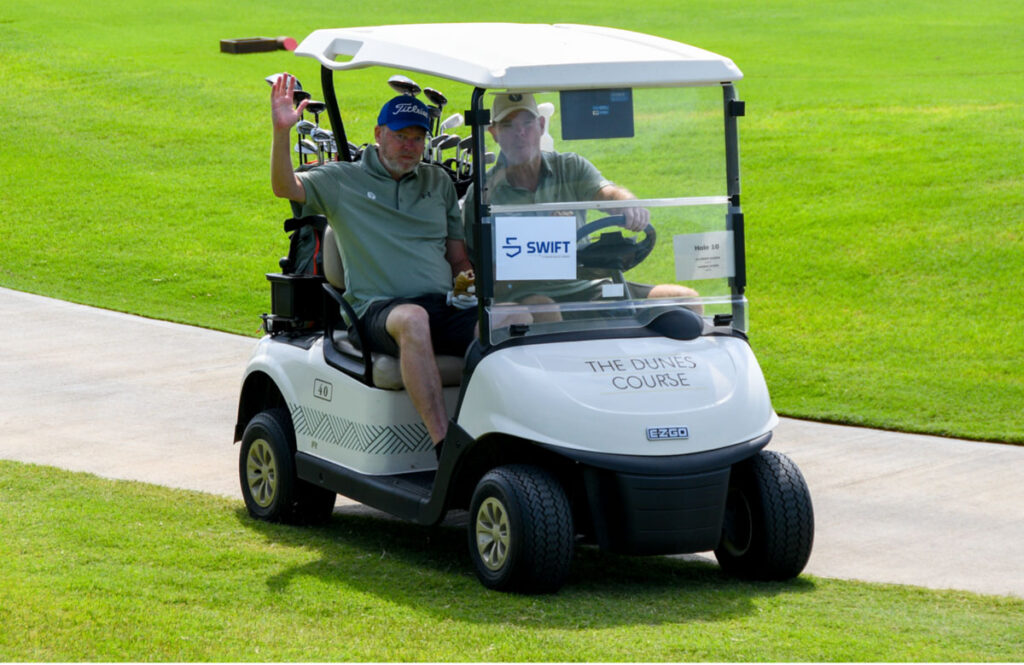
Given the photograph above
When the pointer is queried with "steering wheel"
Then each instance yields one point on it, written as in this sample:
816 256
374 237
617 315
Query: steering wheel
612 251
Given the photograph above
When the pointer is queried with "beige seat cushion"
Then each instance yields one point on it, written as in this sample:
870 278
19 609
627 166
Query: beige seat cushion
386 371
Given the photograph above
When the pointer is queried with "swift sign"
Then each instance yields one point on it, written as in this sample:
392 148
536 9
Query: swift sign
535 248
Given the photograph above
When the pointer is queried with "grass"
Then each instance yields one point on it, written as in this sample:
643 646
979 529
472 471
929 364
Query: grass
110 571
882 184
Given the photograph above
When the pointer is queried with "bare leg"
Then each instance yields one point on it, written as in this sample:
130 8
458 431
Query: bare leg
677 291
542 317
410 327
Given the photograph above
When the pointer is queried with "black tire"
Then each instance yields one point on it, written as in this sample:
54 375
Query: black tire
768 529
266 470
521 534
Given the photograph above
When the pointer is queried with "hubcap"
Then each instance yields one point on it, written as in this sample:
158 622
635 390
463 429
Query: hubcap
492 533
261 473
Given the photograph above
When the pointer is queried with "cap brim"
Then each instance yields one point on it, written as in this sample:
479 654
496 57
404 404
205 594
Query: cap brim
405 124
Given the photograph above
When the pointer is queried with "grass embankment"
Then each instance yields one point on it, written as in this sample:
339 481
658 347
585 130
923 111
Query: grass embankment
881 162
99 570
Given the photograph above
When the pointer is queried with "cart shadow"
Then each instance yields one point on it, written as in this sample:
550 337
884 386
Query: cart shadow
428 568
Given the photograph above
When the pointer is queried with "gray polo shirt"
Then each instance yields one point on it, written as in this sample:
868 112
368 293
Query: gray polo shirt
392 234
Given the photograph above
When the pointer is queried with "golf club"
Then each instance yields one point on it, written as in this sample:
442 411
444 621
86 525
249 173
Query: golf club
451 122
432 146
463 157
404 85
316 108
323 139
305 147
439 101
448 143
436 97
435 118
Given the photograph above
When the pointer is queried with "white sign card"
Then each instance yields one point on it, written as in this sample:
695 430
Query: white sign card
704 255
535 247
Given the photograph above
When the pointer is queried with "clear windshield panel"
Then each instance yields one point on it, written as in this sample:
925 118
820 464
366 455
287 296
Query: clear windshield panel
607 209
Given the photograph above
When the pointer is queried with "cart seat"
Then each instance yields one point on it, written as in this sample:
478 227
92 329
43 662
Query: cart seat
386 371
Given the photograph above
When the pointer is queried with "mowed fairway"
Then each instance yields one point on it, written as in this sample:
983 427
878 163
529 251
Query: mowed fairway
143 573
881 160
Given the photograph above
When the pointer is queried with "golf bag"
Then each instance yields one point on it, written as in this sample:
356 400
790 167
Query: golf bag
305 251
296 293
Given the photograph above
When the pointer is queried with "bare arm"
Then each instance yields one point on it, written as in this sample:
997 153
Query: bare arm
637 219
457 256
282 174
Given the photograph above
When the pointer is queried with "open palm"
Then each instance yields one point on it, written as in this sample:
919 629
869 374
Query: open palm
281 95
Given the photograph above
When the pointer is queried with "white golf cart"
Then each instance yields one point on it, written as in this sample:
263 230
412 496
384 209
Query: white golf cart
586 411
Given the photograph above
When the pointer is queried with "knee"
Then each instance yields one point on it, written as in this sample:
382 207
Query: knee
543 316
672 291
408 322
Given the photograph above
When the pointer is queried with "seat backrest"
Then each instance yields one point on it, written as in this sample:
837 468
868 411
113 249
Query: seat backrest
334 269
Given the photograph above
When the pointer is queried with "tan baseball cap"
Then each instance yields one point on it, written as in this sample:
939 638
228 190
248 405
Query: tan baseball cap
506 104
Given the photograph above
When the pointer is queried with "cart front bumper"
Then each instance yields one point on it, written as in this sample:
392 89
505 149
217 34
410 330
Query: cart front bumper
675 505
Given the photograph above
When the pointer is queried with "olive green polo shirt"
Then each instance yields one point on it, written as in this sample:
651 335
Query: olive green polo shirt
392 234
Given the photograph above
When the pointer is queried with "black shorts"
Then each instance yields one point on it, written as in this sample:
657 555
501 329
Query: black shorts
451 329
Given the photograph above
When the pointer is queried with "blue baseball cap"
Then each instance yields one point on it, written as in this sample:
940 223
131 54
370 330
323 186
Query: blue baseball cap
404 111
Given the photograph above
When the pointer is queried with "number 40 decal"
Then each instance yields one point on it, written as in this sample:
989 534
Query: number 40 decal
323 390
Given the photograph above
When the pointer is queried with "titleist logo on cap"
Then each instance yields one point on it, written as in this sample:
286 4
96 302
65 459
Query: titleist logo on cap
405 107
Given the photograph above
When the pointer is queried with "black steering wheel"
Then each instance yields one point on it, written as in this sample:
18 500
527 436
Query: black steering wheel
612 251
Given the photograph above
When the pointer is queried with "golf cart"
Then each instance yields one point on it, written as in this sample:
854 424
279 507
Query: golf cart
600 415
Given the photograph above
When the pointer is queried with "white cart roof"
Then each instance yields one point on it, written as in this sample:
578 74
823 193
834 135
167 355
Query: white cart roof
517 56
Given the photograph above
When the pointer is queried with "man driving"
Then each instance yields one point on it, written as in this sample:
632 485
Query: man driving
525 174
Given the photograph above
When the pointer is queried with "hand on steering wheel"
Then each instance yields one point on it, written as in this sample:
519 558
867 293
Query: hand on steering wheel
637 219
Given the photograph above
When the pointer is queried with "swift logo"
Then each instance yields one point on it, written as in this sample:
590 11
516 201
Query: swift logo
667 433
509 247
548 247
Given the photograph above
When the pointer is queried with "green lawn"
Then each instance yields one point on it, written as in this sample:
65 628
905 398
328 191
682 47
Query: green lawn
99 570
881 160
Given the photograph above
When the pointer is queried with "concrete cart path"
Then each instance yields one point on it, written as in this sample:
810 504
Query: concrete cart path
131 398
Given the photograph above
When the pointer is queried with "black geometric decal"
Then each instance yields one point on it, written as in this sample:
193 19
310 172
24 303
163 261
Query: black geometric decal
370 439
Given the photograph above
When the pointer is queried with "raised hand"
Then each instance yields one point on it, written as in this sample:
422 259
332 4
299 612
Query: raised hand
283 114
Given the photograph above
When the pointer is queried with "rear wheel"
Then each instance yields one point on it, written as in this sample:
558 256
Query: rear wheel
266 470
768 528
520 531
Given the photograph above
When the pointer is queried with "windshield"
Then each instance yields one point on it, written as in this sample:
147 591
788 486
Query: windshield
606 208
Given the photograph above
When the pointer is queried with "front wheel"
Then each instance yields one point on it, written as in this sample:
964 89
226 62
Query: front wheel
768 528
266 470
520 531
